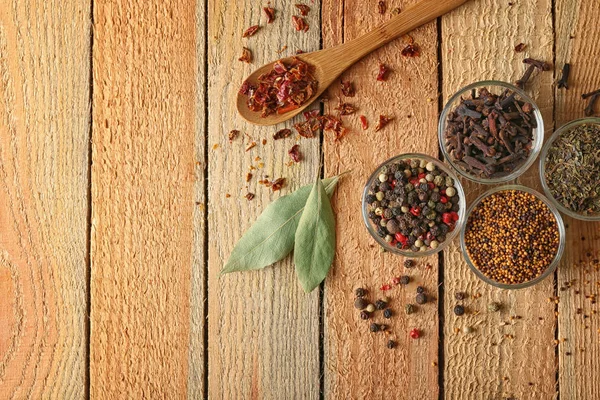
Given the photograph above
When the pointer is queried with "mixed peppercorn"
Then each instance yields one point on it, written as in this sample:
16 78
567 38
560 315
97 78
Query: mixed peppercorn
413 205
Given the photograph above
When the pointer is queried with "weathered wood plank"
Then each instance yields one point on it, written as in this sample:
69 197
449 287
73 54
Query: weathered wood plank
263 329
478 43
357 362
577 33
44 133
143 172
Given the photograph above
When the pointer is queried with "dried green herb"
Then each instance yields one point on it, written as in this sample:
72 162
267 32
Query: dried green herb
271 237
315 239
572 170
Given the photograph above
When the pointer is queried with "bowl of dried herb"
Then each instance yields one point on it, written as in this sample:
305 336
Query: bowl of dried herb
413 205
490 132
570 169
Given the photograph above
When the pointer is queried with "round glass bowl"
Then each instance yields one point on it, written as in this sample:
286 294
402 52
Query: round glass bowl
495 87
565 128
559 252
449 237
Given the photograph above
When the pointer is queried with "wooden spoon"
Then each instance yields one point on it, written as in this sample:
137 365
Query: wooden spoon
330 63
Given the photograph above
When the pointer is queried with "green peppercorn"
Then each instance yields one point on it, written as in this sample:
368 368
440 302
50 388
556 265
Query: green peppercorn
409 308
370 308
467 329
380 195
360 303
493 307
360 292
459 310
387 313
421 298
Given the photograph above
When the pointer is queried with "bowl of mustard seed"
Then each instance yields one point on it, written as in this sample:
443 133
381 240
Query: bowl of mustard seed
514 237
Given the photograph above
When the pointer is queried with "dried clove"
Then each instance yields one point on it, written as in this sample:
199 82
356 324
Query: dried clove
563 81
589 110
521 82
541 65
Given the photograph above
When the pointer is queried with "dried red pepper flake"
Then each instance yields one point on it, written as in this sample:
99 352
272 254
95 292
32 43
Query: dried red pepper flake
282 134
270 13
381 7
286 87
520 47
250 146
249 196
251 31
299 51
383 72
308 115
411 50
233 134
383 121
364 123
295 154
334 124
249 176
346 109
299 23
386 287
347 88
246 55
303 9
277 184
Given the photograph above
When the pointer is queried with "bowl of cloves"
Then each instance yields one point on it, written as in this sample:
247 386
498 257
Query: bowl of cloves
490 132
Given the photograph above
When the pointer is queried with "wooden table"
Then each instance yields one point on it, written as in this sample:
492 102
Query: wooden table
121 197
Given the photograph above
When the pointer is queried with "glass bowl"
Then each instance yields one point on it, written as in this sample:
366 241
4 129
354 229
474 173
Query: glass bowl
555 135
449 237
561 239
495 87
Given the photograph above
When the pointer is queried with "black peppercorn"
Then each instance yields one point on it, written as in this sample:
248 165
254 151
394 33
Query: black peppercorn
460 295
364 315
360 292
408 264
374 327
391 344
404 280
380 304
459 310
387 313
370 198
420 289
361 303
421 298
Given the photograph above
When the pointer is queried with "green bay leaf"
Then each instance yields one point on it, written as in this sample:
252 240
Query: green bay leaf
315 239
271 237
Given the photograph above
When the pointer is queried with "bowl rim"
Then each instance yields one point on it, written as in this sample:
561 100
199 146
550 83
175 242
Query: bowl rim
461 213
537 140
565 127
561 237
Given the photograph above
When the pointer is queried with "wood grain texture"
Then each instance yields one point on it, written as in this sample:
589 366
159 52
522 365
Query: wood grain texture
478 43
357 362
263 329
143 153
576 43
44 133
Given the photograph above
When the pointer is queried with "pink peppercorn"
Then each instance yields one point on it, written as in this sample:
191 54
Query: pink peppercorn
415 333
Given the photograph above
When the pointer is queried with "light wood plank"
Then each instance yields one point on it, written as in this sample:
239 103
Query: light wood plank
143 173
357 362
478 43
577 33
44 133
263 329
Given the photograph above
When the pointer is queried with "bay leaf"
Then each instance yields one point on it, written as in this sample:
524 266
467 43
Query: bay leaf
271 237
314 245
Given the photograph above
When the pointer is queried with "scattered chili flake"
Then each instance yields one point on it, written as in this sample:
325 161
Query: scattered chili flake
249 176
308 128
246 55
264 141
251 31
386 287
277 184
346 109
381 7
364 122
215 146
520 47
299 23
227 195
334 124
383 73
347 88
286 87
281 50
270 13
299 51
282 134
411 50
233 134
383 121
303 9
295 154
250 146
249 196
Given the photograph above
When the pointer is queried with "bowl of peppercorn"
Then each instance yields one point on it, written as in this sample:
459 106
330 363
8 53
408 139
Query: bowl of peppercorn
490 132
513 238
413 205
570 169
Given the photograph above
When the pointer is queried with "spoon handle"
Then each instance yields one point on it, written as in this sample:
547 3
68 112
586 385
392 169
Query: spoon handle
409 19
